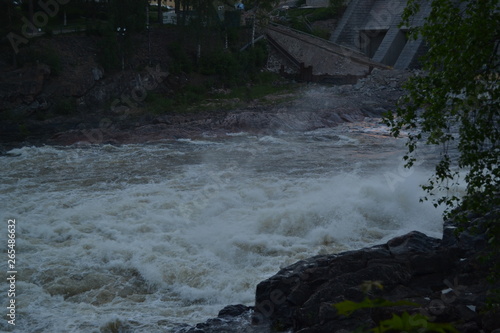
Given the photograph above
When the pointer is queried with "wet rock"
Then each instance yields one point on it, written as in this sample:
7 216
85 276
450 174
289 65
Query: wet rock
232 318
97 73
445 278
233 311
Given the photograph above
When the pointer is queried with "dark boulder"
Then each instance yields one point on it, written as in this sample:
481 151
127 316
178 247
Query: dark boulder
444 278
232 318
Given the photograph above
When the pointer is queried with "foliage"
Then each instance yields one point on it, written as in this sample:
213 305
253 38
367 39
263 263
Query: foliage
455 104
97 28
65 106
412 323
397 323
51 57
332 11
130 14
108 54
321 33
23 130
158 104
265 5
221 63
260 90
346 308
45 55
252 60
182 62
189 95
205 96
232 19
301 18
10 17
231 67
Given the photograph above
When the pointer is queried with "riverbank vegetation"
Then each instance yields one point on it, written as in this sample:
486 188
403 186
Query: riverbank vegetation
211 63
455 106
317 21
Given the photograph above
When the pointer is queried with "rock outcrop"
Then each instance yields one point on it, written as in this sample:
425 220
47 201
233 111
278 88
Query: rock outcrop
22 86
445 279
313 107
231 319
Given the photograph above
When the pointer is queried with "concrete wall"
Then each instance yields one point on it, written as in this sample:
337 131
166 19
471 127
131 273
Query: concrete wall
324 57
390 49
353 20
371 26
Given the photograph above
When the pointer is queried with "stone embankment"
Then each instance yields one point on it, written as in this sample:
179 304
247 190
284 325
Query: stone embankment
445 279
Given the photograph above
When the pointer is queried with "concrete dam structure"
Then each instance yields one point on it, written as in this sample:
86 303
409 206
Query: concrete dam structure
372 27
367 36
317 59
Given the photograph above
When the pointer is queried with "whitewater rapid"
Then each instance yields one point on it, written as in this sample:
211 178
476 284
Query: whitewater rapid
154 236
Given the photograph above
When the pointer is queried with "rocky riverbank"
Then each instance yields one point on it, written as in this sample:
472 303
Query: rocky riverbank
445 279
308 107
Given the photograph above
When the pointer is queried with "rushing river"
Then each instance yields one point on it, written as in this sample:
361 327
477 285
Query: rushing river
159 235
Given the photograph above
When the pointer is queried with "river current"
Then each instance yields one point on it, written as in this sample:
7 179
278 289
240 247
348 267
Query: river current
154 236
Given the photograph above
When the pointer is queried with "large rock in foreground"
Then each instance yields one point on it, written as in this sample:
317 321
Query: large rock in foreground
446 278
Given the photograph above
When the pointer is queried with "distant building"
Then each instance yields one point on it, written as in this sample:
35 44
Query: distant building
168 4
222 8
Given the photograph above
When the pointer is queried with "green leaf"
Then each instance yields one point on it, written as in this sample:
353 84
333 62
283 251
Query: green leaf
412 323
346 308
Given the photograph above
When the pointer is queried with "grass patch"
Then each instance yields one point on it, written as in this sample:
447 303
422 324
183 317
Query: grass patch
23 129
256 92
45 55
159 104
182 101
65 106
321 33
267 89
302 18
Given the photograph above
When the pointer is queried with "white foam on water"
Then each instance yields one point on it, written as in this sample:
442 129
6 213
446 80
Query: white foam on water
197 142
157 235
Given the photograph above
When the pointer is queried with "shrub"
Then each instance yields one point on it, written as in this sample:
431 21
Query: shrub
158 104
109 55
65 106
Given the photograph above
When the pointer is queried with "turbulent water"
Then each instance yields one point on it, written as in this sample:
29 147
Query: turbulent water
152 237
